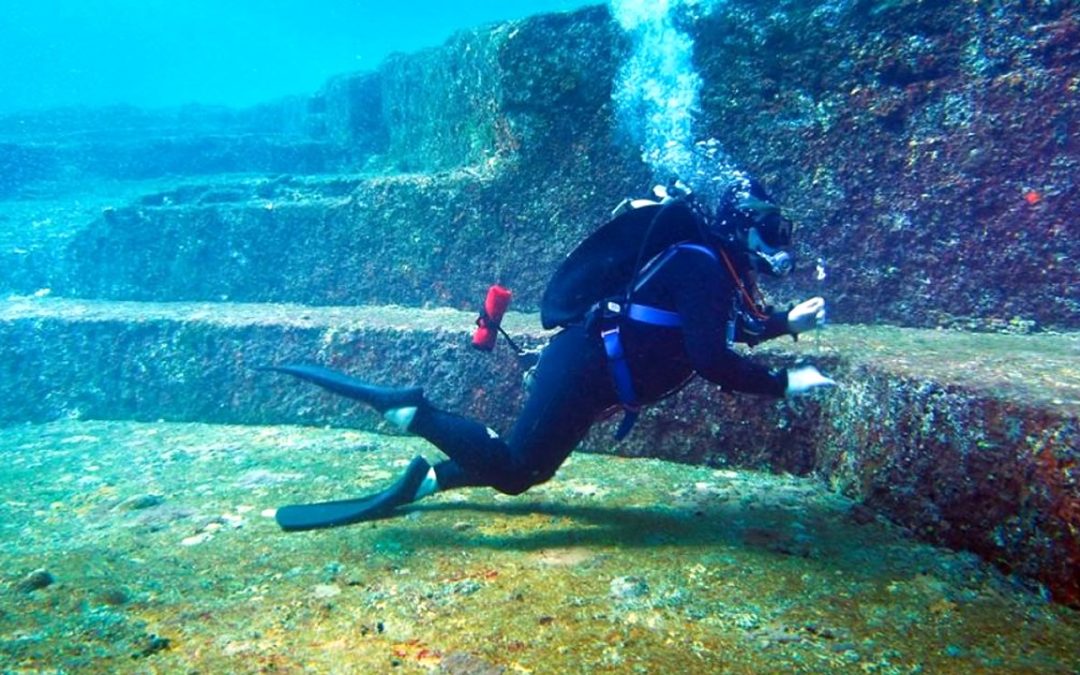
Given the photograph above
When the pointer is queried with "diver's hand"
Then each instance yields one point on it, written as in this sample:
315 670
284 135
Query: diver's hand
806 316
802 379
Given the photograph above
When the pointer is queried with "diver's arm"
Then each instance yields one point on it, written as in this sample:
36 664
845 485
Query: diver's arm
805 316
776 325
702 293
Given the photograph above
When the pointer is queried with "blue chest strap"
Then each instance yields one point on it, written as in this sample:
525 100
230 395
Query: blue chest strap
613 313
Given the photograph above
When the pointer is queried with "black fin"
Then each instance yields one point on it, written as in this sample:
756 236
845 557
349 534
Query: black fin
380 398
298 517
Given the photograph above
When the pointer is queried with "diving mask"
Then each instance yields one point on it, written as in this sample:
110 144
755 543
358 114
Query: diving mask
766 258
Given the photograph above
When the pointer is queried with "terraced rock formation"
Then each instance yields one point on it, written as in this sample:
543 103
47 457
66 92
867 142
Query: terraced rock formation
151 263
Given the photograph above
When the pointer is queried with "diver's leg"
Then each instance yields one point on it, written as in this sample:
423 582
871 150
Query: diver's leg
393 402
450 475
570 388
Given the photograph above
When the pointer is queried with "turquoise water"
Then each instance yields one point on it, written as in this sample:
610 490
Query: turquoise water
160 53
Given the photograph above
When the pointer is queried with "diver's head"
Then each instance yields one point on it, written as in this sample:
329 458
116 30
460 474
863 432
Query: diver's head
739 216
749 224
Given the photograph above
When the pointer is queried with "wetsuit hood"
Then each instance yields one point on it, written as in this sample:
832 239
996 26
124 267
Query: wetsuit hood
751 226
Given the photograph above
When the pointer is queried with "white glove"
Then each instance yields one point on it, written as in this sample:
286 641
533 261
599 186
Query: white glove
802 379
806 315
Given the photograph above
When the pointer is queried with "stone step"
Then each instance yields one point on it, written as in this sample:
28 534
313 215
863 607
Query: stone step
333 239
197 361
969 439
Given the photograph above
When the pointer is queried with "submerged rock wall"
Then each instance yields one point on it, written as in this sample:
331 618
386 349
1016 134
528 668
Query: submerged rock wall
983 457
929 149
931 146
200 361
965 468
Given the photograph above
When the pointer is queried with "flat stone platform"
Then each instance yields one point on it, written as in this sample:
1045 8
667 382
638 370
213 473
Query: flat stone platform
163 556
967 439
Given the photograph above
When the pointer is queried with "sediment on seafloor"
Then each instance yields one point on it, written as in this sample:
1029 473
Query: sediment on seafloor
968 440
139 547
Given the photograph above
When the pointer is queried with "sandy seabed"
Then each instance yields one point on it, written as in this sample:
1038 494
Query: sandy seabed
134 547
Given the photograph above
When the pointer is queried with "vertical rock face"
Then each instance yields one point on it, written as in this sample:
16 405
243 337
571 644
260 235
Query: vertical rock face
440 105
348 112
931 146
524 90
966 468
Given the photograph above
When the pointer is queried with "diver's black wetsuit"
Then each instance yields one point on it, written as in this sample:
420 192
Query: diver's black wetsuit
572 385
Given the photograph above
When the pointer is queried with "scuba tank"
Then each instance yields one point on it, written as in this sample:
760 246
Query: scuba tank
607 262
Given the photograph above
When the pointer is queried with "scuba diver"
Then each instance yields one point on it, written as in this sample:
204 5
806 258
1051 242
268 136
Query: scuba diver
656 296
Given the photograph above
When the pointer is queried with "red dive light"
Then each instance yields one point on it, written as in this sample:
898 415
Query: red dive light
487 324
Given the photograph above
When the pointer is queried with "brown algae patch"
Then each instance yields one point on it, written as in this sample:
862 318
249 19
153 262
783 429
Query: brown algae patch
661 568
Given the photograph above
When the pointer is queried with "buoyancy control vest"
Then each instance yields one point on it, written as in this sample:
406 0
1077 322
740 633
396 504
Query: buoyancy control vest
606 264
597 280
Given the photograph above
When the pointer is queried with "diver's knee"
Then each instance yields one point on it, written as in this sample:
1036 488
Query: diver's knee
513 489
519 483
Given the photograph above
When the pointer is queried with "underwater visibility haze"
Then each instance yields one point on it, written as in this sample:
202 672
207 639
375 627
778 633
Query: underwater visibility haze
274 281
159 53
